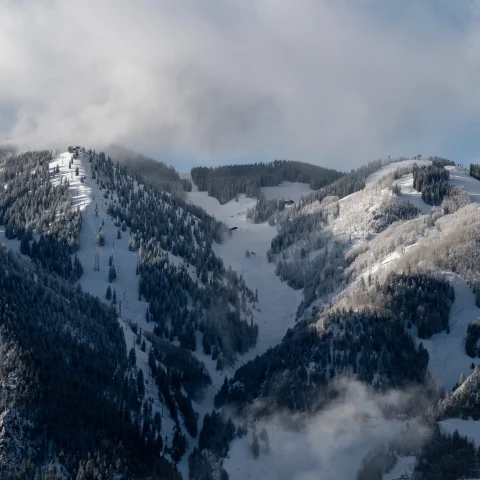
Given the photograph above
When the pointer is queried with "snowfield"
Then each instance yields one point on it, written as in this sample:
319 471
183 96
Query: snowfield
459 176
277 301
409 193
403 466
392 167
447 350
287 191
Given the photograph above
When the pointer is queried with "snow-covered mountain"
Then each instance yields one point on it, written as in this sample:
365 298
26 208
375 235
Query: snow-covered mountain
171 334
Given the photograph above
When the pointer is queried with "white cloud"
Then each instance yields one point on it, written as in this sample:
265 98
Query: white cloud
330 444
313 80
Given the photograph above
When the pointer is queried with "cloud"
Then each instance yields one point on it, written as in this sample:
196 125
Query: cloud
334 83
331 444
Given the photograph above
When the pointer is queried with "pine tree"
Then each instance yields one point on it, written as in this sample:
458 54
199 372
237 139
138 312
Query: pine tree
108 295
112 273
140 383
151 361
132 358
114 297
100 240
25 245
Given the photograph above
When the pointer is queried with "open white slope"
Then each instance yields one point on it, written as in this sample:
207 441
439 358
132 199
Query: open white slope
287 191
277 301
409 193
447 350
392 167
460 176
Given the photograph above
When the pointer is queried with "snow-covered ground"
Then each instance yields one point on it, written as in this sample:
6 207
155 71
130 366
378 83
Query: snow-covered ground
277 301
409 193
287 190
460 176
447 350
392 167
403 466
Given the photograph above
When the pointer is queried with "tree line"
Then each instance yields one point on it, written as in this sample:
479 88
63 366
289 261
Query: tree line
226 182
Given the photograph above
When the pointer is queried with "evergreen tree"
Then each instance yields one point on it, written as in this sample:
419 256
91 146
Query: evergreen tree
140 383
108 295
132 358
112 273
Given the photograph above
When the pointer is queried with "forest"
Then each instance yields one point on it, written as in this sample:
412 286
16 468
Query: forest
226 182
475 171
71 387
39 213
373 344
149 172
179 304
432 182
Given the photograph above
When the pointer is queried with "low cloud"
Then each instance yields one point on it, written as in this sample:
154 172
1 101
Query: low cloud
331 444
210 81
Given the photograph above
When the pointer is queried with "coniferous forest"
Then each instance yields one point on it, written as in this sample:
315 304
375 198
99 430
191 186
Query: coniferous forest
70 386
225 182
158 223
432 182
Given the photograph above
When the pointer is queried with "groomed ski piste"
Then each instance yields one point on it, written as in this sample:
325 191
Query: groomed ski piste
277 306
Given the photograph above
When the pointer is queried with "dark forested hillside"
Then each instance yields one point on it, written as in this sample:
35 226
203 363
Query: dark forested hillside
372 344
432 182
475 171
225 182
449 457
67 384
297 373
149 171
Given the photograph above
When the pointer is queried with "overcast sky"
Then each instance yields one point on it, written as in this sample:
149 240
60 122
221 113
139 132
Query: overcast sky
332 82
